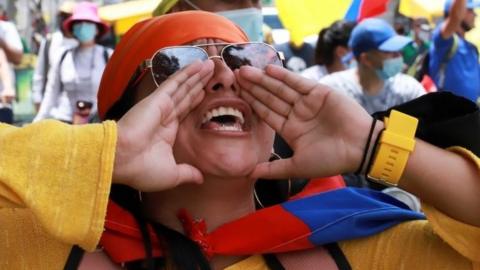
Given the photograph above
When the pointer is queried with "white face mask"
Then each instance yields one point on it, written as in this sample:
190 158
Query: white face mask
424 36
249 19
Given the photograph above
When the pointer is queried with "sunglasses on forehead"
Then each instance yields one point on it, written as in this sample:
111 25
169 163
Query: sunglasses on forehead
168 60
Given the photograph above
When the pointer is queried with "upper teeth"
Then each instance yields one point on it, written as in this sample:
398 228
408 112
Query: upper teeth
221 111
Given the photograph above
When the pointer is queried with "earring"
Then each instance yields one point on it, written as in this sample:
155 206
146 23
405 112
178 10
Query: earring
257 199
140 196
275 156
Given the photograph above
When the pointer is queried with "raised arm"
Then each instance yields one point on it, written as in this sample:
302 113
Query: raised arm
454 19
328 133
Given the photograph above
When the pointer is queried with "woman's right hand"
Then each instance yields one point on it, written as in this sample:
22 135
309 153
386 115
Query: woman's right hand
146 133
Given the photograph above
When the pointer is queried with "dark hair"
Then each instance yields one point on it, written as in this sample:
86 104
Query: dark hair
179 252
337 34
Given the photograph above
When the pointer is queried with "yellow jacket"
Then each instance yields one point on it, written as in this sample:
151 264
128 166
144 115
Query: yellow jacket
54 186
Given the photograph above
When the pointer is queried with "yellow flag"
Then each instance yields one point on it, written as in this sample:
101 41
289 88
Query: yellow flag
430 9
125 14
307 17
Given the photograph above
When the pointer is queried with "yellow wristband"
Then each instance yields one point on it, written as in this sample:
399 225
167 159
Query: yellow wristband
395 145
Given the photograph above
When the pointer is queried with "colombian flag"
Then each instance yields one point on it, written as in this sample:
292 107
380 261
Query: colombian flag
307 17
362 9
302 223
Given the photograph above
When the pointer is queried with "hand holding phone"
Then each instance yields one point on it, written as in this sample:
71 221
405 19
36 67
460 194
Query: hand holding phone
82 112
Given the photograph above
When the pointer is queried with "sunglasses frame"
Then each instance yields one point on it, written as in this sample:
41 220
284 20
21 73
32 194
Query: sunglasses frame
147 64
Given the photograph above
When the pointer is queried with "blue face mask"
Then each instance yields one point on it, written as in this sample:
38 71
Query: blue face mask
348 60
391 67
85 31
249 19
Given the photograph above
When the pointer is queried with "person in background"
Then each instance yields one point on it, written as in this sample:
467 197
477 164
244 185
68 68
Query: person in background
297 57
10 42
377 82
12 48
415 52
6 80
3 13
245 13
401 24
453 63
73 82
51 48
332 53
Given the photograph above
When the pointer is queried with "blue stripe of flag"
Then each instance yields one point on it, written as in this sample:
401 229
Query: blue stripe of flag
353 11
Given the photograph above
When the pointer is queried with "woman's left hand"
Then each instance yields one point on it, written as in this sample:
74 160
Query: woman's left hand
326 130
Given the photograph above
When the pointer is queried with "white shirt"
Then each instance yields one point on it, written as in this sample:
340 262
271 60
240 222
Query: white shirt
58 44
9 33
315 72
396 90
77 78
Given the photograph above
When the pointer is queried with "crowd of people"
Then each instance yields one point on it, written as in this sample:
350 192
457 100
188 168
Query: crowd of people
154 151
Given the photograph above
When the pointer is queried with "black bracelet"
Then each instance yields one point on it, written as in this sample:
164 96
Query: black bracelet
372 156
365 152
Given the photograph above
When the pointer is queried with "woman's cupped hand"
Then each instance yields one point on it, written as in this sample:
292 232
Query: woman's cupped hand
326 130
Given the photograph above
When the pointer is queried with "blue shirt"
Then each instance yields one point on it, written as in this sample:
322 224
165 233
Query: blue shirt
462 75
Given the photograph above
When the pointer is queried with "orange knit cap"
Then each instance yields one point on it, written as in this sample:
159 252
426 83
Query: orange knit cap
146 37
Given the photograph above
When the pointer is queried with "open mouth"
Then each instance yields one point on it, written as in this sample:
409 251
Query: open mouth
224 119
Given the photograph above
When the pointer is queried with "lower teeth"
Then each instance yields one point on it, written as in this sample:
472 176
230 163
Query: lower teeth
228 128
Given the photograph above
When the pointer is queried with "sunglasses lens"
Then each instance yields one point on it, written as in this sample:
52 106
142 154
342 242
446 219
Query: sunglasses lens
257 55
167 61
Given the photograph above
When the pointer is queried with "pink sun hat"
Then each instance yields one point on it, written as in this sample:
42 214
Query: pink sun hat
86 11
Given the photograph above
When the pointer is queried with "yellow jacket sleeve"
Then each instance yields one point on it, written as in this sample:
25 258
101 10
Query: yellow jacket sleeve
61 174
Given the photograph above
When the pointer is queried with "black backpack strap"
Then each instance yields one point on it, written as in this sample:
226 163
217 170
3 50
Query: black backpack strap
338 256
106 55
64 54
74 259
423 65
46 63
